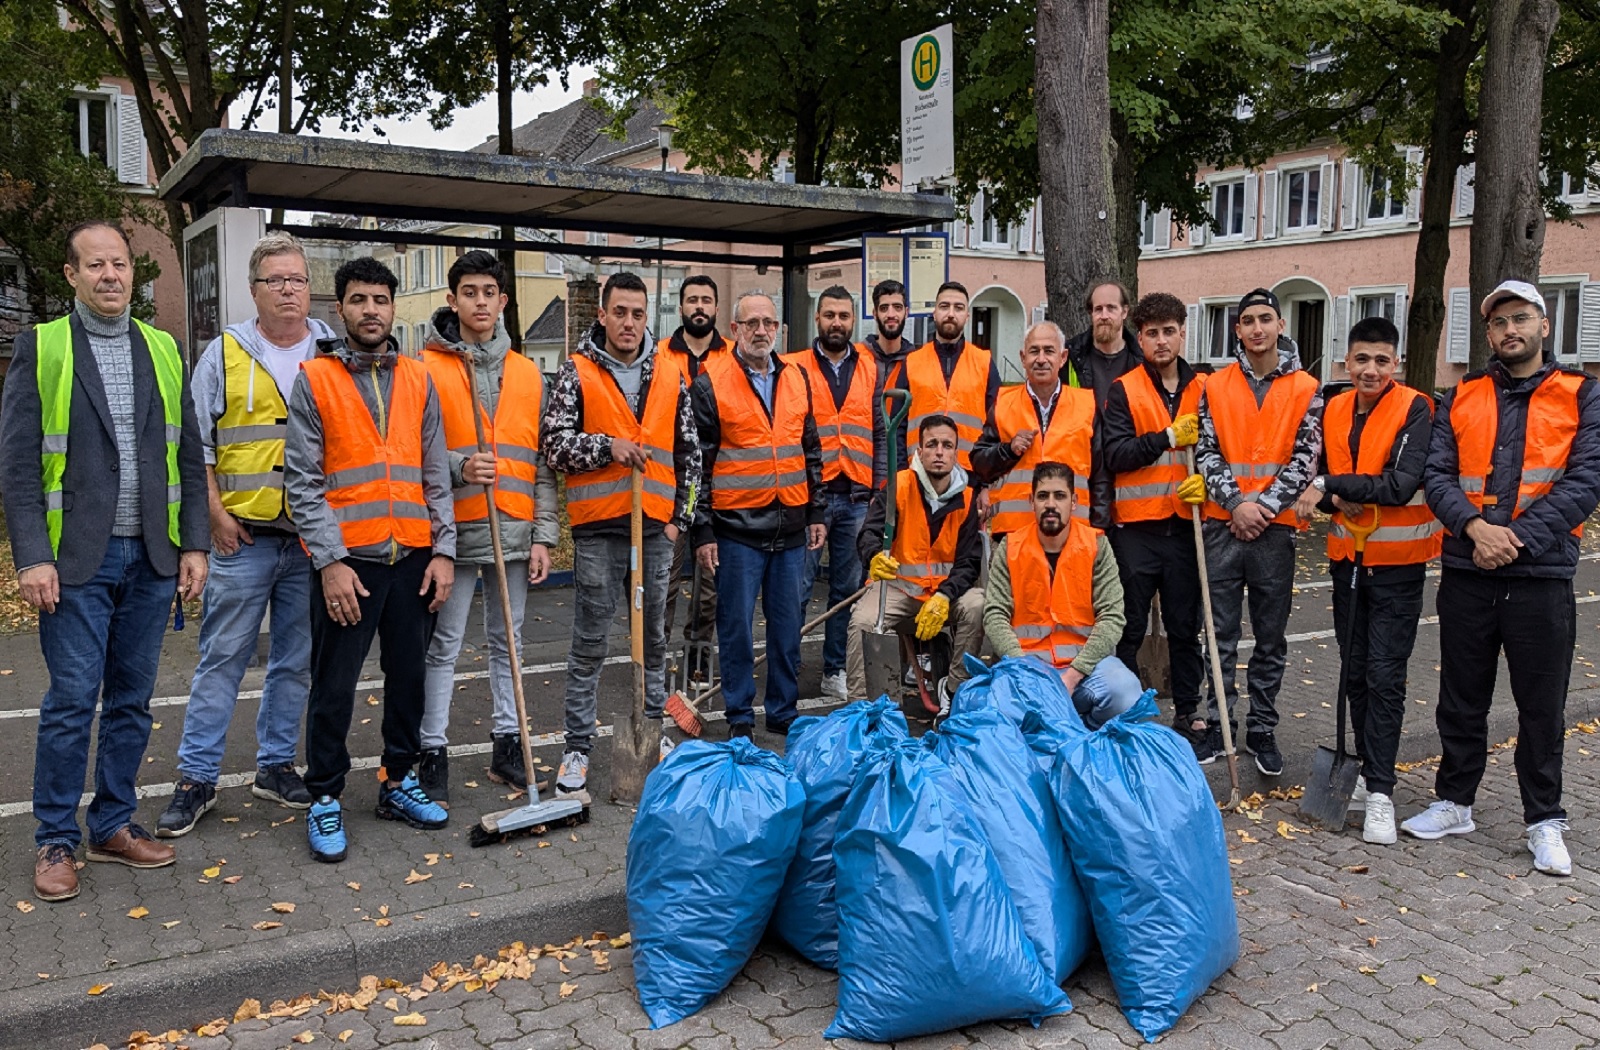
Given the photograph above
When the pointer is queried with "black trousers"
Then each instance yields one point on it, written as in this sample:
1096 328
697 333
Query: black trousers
1375 658
1535 622
1150 563
394 612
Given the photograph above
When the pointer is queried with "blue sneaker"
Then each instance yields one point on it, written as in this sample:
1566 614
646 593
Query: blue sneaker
325 828
409 803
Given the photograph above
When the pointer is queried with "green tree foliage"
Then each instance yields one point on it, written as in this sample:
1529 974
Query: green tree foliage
46 185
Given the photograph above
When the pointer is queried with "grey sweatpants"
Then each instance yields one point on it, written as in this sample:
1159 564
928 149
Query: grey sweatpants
1265 568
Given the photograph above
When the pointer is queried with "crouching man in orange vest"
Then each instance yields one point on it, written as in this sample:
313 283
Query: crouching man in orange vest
368 482
929 576
1375 445
1054 595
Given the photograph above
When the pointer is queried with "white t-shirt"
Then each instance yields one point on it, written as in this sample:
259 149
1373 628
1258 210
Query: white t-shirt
285 363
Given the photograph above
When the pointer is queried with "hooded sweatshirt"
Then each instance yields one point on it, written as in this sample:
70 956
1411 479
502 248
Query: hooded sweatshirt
210 395
474 546
968 560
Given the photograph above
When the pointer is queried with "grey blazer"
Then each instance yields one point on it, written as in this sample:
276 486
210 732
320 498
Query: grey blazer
89 489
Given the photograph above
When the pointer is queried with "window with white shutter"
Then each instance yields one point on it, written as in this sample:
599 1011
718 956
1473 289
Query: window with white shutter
1458 327
132 167
1465 190
1589 321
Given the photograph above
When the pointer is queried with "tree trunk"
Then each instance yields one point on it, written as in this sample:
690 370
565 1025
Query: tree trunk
1445 151
1073 105
503 59
807 172
1125 190
1508 216
285 84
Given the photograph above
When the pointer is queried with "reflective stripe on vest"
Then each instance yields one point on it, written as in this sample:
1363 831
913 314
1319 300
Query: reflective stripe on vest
513 434
249 437
1052 614
759 460
844 431
53 373
1257 440
1552 423
373 478
1151 493
1069 440
925 562
607 494
1407 535
964 399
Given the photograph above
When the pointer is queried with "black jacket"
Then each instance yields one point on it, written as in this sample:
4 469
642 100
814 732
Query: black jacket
774 527
1088 368
1545 528
1123 449
887 365
968 560
89 489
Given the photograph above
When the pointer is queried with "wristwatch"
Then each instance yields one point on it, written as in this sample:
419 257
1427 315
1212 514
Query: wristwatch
1320 483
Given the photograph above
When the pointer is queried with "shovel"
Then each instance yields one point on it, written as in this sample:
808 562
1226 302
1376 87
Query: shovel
1333 769
1211 647
880 649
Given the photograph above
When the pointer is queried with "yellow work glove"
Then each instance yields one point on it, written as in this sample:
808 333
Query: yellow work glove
930 621
1192 489
883 566
1185 430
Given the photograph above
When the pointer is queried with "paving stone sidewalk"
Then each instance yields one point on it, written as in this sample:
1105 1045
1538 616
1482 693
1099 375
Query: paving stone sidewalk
1456 943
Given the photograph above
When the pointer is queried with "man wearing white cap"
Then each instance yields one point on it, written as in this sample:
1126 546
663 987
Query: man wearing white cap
1513 471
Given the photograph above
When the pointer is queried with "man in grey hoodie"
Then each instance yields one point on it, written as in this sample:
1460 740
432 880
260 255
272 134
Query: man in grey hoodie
469 333
241 393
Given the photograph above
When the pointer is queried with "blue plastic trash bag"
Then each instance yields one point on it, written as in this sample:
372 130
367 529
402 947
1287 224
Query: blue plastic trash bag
929 939
1147 843
1010 796
715 832
824 753
1014 686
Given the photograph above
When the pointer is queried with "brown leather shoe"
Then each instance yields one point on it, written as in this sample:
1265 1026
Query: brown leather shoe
134 847
55 873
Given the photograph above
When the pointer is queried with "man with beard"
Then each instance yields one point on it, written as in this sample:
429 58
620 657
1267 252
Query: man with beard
763 469
889 349
1054 595
1260 432
1107 348
694 345
367 477
1513 472
849 426
950 377
468 333
1149 418
929 576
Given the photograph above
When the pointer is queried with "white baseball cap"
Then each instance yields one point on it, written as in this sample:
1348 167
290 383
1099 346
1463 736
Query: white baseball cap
1511 290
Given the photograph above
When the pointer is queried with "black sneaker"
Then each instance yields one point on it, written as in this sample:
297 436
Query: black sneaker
282 785
433 773
505 764
1262 744
740 730
190 801
781 728
1208 745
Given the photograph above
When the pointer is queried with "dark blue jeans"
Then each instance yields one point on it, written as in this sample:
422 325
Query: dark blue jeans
843 518
743 572
102 646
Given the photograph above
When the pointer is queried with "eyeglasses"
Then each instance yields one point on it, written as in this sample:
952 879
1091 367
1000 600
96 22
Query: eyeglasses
769 323
1522 320
278 284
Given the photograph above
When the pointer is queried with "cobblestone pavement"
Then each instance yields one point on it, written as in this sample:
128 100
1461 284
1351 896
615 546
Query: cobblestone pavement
1456 943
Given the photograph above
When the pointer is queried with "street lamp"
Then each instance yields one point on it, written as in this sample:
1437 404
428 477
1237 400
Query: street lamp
664 132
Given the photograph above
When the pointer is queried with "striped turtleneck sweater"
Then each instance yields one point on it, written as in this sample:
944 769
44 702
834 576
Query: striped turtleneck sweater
113 354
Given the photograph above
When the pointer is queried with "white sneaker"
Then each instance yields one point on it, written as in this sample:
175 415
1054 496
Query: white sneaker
574 775
944 697
834 685
1549 850
1439 820
667 747
1378 827
1358 800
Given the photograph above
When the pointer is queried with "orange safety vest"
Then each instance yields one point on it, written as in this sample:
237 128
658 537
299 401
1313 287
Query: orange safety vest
846 430
964 399
1546 444
1408 535
925 563
1069 440
513 434
374 481
607 493
688 364
1151 493
1256 442
1052 613
760 459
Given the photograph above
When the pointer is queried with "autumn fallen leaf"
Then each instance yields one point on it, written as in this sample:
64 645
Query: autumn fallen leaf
212 872
248 1009
138 913
232 880
303 1037
567 989
100 989
283 907
266 925
170 925
344 1036
416 877
24 907
1429 981
213 1028
354 885
412 1020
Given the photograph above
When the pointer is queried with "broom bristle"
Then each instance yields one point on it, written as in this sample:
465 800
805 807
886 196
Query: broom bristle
683 715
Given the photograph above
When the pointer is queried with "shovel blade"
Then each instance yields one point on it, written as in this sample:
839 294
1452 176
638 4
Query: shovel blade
1332 782
881 656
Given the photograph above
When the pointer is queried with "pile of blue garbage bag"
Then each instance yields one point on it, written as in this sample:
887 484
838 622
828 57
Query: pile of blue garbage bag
951 880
